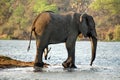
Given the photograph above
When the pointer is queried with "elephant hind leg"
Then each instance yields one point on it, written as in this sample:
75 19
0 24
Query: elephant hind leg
40 49
39 64
38 59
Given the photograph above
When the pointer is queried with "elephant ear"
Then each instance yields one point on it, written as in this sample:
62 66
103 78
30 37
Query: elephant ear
91 24
83 26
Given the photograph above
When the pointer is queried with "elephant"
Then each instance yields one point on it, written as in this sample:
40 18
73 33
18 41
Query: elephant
46 51
53 28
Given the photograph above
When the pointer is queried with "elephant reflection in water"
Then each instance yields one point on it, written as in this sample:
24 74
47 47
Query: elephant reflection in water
52 28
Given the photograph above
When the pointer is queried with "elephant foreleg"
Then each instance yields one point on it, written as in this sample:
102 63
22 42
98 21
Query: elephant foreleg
70 62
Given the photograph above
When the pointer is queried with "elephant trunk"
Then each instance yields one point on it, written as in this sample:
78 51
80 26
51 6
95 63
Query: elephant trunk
94 47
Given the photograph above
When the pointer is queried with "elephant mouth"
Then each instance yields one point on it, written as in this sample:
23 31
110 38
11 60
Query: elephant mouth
91 34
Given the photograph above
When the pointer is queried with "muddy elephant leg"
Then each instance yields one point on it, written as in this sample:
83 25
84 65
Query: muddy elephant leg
41 44
70 62
39 53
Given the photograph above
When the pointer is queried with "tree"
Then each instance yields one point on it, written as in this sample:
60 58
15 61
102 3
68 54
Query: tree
43 5
80 5
111 7
4 10
18 15
117 32
108 8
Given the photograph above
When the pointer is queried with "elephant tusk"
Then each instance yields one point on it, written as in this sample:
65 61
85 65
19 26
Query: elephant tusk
81 16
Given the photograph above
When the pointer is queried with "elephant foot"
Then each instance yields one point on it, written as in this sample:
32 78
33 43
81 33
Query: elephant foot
72 66
65 65
68 65
39 65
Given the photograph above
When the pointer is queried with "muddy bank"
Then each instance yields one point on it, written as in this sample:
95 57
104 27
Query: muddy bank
7 62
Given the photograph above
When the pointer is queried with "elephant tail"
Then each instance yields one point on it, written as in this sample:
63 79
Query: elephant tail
33 27
30 39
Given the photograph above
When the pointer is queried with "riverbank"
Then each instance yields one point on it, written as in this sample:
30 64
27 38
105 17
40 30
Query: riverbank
7 62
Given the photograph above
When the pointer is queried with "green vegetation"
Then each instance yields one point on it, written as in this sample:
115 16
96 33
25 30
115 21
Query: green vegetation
109 10
4 10
16 16
43 5
107 17
21 14
117 32
111 7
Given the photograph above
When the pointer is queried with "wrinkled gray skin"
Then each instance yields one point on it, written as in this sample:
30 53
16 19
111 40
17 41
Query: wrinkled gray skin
52 28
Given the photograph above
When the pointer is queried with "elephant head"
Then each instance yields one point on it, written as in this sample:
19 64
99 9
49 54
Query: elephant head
87 28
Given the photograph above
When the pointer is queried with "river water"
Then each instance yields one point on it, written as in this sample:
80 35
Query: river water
105 67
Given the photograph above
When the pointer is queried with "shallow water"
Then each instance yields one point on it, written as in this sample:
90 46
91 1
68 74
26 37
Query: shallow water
105 67
83 72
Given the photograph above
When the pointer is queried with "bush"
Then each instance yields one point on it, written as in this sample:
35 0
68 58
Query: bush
43 5
117 33
110 34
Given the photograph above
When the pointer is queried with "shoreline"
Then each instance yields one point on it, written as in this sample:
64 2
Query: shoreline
7 62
